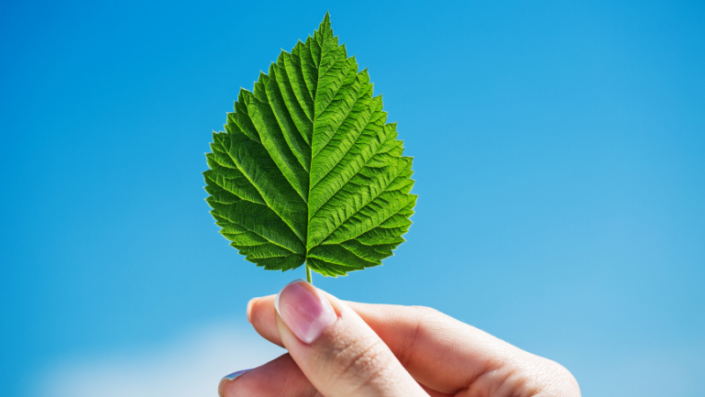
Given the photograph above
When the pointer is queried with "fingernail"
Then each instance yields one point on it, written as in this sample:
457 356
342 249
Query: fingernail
230 378
235 374
304 310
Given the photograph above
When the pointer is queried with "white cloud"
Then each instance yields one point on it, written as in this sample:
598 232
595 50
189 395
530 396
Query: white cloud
191 365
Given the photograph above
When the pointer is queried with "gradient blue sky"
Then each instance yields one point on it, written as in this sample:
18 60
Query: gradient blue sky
559 154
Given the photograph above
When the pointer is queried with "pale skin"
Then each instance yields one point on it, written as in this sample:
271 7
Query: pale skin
393 351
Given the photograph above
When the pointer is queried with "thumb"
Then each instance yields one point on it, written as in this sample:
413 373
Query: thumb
336 350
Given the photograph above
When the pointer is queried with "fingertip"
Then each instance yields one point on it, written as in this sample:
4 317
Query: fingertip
249 308
226 383
261 314
221 387
278 377
305 310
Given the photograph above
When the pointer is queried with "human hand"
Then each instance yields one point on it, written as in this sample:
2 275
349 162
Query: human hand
347 349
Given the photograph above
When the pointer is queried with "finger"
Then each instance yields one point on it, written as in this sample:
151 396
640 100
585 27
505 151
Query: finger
260 313
280 377
453 357
339 354
438 351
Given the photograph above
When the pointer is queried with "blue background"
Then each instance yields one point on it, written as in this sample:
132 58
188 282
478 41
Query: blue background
559 154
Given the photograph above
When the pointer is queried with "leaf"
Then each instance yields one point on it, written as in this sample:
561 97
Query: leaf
308 170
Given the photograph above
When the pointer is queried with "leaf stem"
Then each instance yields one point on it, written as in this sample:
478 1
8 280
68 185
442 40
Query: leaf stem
308 274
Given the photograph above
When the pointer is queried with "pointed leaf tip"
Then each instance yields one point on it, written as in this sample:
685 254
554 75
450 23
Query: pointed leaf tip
325 24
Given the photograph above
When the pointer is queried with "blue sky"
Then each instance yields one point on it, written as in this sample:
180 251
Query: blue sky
559 156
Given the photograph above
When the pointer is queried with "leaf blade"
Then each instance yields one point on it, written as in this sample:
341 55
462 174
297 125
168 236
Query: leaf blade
308 170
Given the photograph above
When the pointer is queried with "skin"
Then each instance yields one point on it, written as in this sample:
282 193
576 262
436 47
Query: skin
394 351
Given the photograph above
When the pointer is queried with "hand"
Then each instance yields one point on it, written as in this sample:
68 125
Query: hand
347 349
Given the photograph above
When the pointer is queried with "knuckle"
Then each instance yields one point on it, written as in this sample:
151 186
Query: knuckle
566 378
426 312
423 318
555 376
363 360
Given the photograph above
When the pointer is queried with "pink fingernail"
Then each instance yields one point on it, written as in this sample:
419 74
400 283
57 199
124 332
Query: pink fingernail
304 310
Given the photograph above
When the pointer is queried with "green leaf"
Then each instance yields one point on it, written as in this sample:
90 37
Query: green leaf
308 170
